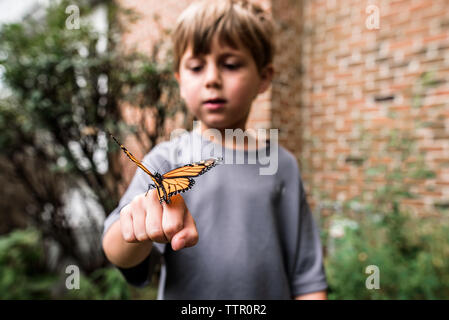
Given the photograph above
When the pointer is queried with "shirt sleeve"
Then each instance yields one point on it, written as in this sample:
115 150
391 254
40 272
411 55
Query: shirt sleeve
300 235
139 275
309 275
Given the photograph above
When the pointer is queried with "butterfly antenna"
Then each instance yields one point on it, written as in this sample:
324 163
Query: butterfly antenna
123 148
115 139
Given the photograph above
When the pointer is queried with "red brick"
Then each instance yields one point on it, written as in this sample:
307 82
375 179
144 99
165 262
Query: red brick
401 44
400 108
421 5
442 36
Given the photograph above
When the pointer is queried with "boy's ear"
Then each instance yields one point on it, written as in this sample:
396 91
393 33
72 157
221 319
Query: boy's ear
266 76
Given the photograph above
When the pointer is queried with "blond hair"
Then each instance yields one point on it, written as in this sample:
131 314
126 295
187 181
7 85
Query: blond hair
235 22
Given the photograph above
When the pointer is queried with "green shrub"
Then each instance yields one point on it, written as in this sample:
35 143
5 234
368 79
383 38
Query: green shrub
24 273
412 255
22 267
103 284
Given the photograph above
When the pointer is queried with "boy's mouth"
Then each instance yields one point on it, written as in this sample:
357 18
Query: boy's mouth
215 103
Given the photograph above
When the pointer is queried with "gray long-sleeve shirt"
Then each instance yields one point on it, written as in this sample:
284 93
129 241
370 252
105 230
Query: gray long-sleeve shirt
257 236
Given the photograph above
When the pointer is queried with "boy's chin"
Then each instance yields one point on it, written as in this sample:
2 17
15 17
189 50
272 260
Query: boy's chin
215 125
221 125
216 122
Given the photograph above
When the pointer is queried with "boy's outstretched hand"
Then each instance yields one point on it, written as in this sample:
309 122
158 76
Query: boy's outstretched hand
146 219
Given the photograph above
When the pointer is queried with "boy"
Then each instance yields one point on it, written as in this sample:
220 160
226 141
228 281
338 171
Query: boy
236 234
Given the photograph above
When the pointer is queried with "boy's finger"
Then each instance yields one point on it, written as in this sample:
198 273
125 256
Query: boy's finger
153 220
173 216
126 224
138 217
188 236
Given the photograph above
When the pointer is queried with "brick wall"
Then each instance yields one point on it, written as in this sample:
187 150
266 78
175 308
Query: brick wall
355 77
337 82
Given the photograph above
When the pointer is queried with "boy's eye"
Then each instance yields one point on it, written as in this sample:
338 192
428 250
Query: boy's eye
195 68
231 66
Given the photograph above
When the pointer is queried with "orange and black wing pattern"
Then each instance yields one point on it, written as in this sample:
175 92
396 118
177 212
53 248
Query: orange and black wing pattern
177 185
192 170
180 179
174 181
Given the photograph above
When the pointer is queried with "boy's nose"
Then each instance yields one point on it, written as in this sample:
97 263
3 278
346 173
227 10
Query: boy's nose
213 77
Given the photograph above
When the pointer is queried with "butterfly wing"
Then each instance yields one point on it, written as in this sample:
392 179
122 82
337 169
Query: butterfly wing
180 179
177 185
192 170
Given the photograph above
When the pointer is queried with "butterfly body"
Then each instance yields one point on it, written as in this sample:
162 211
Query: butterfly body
174 181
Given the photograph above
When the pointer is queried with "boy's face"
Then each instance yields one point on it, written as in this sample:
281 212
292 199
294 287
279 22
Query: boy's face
219 87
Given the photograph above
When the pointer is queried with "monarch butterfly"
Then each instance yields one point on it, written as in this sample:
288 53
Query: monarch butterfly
174 181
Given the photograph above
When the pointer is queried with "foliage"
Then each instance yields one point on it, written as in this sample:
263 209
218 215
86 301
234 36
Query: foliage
412 256
104 283
24 273
61 95
147 293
